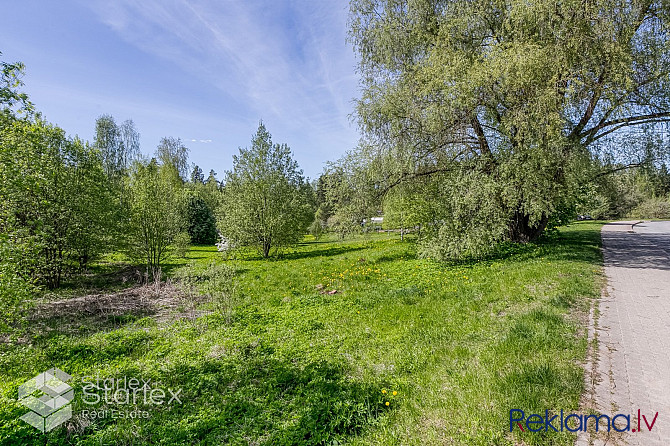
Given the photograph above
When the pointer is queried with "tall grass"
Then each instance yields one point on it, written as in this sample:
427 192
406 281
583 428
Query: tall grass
357 342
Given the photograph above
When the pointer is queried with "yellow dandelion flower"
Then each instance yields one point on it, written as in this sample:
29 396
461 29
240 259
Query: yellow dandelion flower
395 393
387 403
383 390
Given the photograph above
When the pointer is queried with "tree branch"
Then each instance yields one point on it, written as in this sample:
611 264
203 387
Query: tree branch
593 138
411 175
481 137
591 108
620 168
591 134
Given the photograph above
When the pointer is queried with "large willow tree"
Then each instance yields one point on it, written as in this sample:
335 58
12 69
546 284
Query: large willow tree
503 108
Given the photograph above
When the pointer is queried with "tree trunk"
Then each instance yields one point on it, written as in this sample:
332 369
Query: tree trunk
521 231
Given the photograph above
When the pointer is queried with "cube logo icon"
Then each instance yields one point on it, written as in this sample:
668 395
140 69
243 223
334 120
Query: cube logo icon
48 396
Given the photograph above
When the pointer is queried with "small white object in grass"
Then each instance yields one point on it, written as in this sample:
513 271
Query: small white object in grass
223 245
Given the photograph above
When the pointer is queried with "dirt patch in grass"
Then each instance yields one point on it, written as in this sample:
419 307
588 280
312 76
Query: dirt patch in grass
163 302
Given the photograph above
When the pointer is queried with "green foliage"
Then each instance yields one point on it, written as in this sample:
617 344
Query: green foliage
108 142
201 222
119 145
211 192
56 209
157 211
465 230
610 197
214 279
408 206
316 228
291 364
522 100
172 152
211 179
181 244
95 210
321 216
57 204
638 193
16 290
351 195
11 98
266 202
197 177
652 208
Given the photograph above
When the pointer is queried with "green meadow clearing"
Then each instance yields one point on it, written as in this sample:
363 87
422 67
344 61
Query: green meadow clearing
336 342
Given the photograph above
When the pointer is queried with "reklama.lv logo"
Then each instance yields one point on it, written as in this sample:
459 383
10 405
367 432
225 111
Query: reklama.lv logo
575 422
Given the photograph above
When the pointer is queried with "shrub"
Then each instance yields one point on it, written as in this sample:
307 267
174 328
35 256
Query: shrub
15 291
652 208
316 229
181 244
267 202
156 214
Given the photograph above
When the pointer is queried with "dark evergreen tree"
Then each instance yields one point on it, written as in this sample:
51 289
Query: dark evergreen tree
201 222
197 177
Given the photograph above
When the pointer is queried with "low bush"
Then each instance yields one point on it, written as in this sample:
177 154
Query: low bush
652 208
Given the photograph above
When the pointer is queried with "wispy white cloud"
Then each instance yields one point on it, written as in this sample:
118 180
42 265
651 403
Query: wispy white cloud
204 141
283 61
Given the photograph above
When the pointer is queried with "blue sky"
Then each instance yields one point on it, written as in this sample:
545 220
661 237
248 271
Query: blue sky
203 71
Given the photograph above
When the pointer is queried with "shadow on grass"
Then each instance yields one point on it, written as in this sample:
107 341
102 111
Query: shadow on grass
582 244
261 397
534 376
196 254
326 252
296 255
108 277
251 397
320 242
393 257
81 325
577 245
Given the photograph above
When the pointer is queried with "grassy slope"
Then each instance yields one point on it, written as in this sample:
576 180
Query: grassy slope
460 344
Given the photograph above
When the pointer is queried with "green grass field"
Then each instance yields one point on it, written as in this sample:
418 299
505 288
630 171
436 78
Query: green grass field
405 351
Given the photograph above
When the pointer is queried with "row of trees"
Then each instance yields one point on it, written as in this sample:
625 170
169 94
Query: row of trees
483 122
66 202
640 193
52 188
